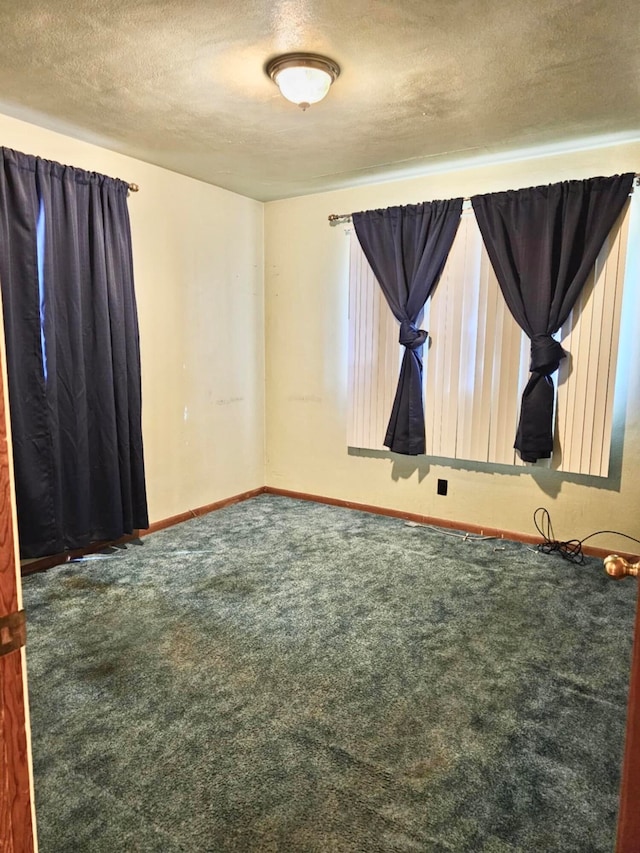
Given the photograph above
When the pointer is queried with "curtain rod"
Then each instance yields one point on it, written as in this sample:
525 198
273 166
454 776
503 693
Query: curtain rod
133 188
336 218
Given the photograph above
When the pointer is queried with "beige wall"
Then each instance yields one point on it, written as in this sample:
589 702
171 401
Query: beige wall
198 256
306 287
198 259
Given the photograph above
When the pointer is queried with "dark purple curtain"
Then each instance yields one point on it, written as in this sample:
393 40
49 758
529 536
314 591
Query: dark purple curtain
543 243
407 248
73 354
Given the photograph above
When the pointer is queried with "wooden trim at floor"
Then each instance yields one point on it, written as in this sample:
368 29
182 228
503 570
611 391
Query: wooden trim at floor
476 529
629 812
43 563
201 510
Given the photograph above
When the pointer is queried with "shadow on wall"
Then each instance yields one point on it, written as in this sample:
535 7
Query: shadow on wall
550 482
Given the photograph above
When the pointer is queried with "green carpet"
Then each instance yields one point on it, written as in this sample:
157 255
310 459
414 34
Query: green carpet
288 676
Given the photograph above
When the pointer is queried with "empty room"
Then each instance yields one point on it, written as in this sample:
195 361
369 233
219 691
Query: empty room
321 427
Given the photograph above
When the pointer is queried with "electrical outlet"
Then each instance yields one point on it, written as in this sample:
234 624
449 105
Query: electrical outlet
442 487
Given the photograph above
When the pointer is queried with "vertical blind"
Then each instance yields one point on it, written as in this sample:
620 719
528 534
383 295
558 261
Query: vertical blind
479 362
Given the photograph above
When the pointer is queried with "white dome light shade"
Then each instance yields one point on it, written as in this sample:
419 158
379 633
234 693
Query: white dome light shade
303 78
303 85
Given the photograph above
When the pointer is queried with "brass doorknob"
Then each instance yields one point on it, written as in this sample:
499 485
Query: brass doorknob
618 567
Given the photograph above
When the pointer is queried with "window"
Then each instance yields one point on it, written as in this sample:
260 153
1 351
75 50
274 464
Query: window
476 361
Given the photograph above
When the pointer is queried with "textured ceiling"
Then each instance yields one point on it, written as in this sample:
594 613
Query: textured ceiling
182 84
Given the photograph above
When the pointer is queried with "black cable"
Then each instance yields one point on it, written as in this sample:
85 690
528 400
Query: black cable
570 550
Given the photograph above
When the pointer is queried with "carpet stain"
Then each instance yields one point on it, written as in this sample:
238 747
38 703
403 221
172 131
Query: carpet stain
230 583
105 669
76 584
426 766
182 646
82 582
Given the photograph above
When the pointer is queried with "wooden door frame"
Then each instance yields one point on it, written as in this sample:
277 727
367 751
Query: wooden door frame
17 817
629 812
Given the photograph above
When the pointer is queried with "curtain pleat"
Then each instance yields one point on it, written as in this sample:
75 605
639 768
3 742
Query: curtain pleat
407 248
89 361
542 243
31 436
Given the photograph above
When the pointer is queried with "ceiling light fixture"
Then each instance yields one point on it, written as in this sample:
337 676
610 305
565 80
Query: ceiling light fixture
303 78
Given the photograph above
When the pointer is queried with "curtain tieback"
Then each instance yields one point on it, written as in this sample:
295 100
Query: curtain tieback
410 337
546 354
